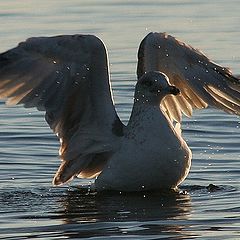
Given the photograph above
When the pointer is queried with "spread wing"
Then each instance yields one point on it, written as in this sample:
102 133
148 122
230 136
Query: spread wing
200 81
66 76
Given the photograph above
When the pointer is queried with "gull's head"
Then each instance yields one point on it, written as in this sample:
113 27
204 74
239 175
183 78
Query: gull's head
152 87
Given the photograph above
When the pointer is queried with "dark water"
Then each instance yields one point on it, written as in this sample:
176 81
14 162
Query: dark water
208 206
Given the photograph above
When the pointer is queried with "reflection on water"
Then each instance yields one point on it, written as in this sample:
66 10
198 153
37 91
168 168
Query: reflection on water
73 213
141 214
79 214
120 206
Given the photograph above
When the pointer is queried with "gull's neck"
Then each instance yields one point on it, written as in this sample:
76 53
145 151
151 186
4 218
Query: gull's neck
146 115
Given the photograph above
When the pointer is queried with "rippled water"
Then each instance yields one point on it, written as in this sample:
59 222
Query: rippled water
208 206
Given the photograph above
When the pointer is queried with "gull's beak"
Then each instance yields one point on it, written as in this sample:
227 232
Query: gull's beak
173 90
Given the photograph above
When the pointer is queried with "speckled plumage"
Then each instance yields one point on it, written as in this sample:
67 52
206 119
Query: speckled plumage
67 77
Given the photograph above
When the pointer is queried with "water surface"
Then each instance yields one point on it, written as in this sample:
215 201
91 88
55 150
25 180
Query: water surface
32 209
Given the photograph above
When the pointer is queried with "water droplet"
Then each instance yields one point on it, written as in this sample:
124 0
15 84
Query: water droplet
68 68
57 72
88 68
167 54
207 71
54 62
185 68
57 82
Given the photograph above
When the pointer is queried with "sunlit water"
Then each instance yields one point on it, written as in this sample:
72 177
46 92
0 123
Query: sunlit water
32 209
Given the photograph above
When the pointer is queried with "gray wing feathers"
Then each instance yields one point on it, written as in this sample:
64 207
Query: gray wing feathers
66 76
200 81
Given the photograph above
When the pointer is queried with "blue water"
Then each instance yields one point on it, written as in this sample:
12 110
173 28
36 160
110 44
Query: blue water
208 206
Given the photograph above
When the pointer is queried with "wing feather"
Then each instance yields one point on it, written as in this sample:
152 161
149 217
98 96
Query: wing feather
172 103
67 77
201 81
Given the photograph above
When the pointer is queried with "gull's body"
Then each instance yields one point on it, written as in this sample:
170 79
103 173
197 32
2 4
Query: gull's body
67 77
140 164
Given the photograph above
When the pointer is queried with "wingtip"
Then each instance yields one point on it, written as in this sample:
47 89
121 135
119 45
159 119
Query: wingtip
63 175
56 181
60 180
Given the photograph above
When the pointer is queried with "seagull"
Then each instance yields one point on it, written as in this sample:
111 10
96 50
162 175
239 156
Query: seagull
67 76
